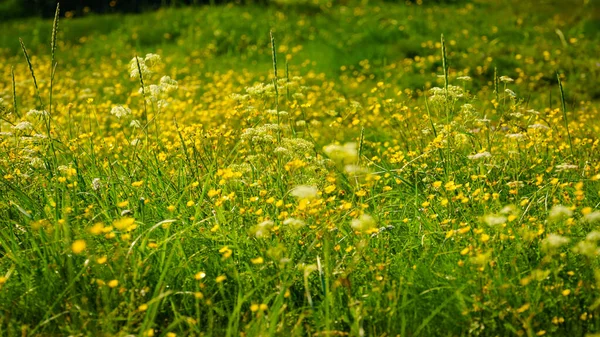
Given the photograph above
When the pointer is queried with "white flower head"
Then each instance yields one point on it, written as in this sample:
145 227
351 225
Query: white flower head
305 192
167 84
559 212
22 126
120 111
294 223
364 223
480 155
554 241
592 217
96 184
344 153
493 219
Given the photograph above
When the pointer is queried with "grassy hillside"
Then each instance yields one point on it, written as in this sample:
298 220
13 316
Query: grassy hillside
183 174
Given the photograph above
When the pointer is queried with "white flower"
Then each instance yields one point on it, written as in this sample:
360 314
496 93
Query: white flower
593 236
559 212
506 79
135 124
120 111
96 184
592 217
305 192
363 223
493 219
22 126
34 112
168 84
294 223
135 65
515 136
554 241
480 155
510 92
262 230
343 153
538 127
566 167
152 60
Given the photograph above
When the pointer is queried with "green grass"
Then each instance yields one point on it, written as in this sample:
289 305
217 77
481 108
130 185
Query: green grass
370 192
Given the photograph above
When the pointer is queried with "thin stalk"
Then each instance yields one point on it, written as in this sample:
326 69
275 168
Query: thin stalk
447 110
37 89
14 89
564 110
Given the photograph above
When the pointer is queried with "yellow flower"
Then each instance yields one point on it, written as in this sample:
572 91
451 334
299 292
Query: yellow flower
113 283
137 183
258 260
220 278
78 246
361 193
123 223
143 307
329 189
190 203
524 308
200 275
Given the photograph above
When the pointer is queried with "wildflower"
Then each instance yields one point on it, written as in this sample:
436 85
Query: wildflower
294 223
22 126
78 246
167 84
538 127
344 153
120 111
152 60
200 275
554 241
506 79
124 223
96 184
565 167
592 217
305 192
480 155
364 223
262 230
220 278
258 260
34 112
559 212
113 283
515 136
494 220
510 93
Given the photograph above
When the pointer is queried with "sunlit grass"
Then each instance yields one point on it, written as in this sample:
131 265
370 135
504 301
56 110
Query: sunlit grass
158 193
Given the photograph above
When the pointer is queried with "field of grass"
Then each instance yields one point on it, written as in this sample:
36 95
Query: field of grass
356 173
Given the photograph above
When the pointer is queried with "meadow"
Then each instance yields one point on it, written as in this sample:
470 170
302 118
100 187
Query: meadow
306 168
